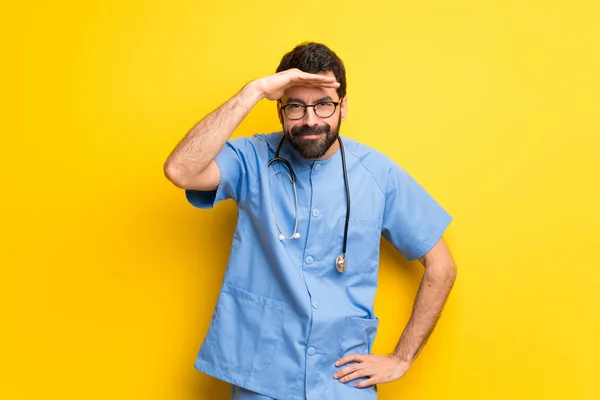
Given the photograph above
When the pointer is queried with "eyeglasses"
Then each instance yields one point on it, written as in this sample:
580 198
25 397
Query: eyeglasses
323 109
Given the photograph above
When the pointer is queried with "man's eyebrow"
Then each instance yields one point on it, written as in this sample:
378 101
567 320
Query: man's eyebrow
294 100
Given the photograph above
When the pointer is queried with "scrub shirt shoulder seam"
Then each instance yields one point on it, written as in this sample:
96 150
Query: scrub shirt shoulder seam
370 173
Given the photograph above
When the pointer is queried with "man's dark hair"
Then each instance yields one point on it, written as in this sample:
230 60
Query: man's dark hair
315 57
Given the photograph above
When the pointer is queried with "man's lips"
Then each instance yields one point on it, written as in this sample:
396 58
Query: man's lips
310 136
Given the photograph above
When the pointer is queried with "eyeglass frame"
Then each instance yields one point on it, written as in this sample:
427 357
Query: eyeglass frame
305 106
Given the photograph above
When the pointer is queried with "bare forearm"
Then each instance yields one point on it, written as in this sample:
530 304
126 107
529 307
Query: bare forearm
190 165
204 141
436 285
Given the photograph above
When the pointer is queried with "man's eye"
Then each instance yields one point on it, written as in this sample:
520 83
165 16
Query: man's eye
294 106
324 103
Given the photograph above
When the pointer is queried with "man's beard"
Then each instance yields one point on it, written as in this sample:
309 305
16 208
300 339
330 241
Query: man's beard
313 148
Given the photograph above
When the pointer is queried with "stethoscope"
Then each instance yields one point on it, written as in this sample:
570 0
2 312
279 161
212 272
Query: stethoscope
340 261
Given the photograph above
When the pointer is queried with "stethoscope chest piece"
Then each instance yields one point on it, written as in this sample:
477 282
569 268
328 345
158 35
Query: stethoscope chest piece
340 263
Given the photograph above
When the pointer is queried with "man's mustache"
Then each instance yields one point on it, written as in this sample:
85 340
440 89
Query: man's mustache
310 130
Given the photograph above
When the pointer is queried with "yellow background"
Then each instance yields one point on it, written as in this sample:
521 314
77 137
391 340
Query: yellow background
109 277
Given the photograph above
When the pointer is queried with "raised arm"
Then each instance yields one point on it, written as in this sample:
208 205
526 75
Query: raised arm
191 164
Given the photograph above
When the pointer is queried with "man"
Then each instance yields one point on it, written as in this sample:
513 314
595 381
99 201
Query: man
294 319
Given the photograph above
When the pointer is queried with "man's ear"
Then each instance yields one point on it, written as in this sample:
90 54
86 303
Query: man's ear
344 107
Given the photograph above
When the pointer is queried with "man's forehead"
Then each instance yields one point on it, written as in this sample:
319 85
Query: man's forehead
308 94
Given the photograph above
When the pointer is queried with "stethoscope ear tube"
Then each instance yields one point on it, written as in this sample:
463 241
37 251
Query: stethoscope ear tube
286 162
340 261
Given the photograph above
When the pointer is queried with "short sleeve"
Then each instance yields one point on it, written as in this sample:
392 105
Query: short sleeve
237 162
413 222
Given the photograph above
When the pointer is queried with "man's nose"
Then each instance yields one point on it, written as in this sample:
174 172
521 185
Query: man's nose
310 117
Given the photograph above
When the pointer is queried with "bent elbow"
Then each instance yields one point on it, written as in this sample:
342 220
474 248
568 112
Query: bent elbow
452 273
442 273
175 174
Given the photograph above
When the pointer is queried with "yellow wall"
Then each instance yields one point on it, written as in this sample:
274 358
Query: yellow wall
109 277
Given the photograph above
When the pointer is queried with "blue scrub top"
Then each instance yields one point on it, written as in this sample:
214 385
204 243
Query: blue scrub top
285 314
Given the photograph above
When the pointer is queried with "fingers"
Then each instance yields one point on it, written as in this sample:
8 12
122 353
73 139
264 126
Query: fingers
308 82
298 74
376 369
348 370
301 78
352 371
350 358
354 375
273 86
366 383
361 369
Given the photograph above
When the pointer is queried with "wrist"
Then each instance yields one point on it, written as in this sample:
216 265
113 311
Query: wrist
401 359
253 91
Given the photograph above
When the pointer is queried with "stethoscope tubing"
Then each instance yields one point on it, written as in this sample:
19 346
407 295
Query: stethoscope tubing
341 260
